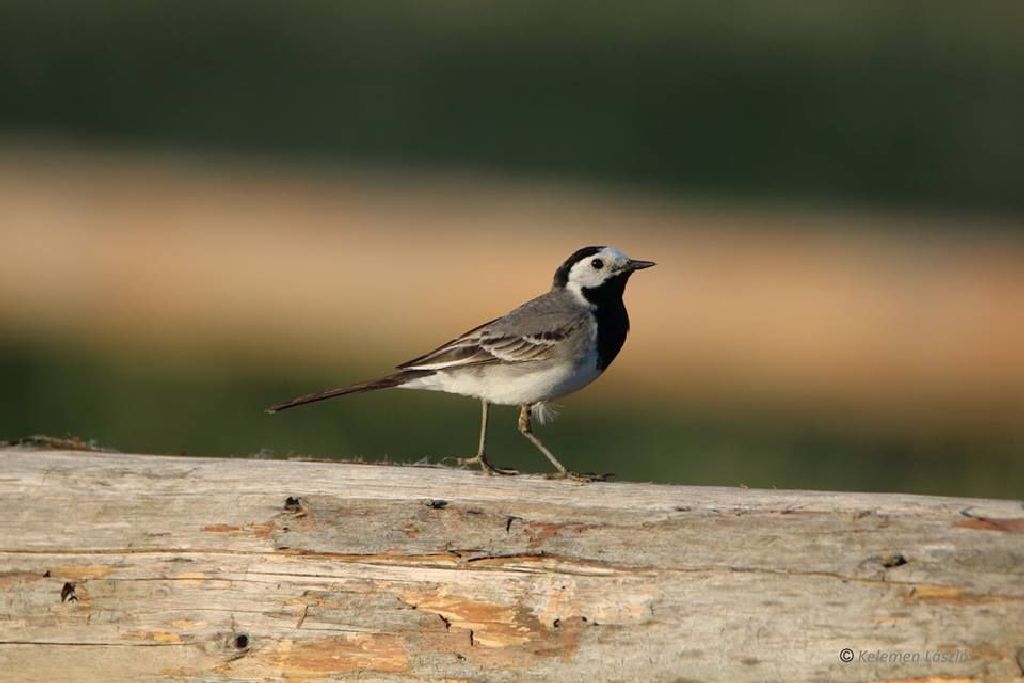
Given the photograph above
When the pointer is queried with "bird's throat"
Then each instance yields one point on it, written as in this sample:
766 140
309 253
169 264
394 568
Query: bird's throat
610 316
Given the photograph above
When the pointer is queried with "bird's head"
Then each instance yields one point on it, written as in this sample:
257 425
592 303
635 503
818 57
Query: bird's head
595 272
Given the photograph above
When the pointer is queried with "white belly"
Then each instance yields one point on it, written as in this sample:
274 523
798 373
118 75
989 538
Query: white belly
519 384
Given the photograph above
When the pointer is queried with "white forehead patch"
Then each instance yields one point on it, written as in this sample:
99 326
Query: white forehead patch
614 254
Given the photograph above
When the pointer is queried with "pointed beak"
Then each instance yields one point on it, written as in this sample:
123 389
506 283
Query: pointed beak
638 265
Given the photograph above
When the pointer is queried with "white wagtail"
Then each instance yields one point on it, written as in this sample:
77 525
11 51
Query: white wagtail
550 346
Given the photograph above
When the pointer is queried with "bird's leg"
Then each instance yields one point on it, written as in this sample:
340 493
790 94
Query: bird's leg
526 428
481 449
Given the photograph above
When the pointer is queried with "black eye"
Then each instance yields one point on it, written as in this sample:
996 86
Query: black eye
597 263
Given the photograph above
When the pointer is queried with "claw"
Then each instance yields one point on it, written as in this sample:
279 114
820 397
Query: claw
582 477
484 465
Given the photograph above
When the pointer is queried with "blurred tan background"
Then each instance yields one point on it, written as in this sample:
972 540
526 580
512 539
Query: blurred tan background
207 209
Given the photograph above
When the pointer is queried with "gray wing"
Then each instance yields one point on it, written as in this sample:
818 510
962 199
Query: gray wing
537 330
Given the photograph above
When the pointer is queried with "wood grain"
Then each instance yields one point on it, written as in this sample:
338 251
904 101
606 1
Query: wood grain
129 567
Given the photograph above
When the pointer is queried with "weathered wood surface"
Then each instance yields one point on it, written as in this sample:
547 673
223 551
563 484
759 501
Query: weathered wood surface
126 567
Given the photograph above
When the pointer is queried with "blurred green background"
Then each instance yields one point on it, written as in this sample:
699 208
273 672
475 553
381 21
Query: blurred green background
906 103
214 206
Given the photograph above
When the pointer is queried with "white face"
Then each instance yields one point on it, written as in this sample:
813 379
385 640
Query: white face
592 271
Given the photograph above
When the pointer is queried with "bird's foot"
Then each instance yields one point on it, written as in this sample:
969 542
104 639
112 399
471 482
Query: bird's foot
487 467
583 477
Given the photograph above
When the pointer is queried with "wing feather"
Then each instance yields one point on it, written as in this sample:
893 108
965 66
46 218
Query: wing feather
485 345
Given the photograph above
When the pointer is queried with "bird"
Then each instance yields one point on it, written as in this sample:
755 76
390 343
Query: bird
552 345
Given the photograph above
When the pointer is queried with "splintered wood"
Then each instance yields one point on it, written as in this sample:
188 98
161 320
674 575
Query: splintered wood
128 567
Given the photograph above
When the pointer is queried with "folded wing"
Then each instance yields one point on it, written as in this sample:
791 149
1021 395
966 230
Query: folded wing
491 344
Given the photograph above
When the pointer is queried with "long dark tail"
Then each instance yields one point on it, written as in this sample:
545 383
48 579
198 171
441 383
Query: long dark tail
388 382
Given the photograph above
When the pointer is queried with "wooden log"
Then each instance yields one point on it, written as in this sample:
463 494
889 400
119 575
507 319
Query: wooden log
127 567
